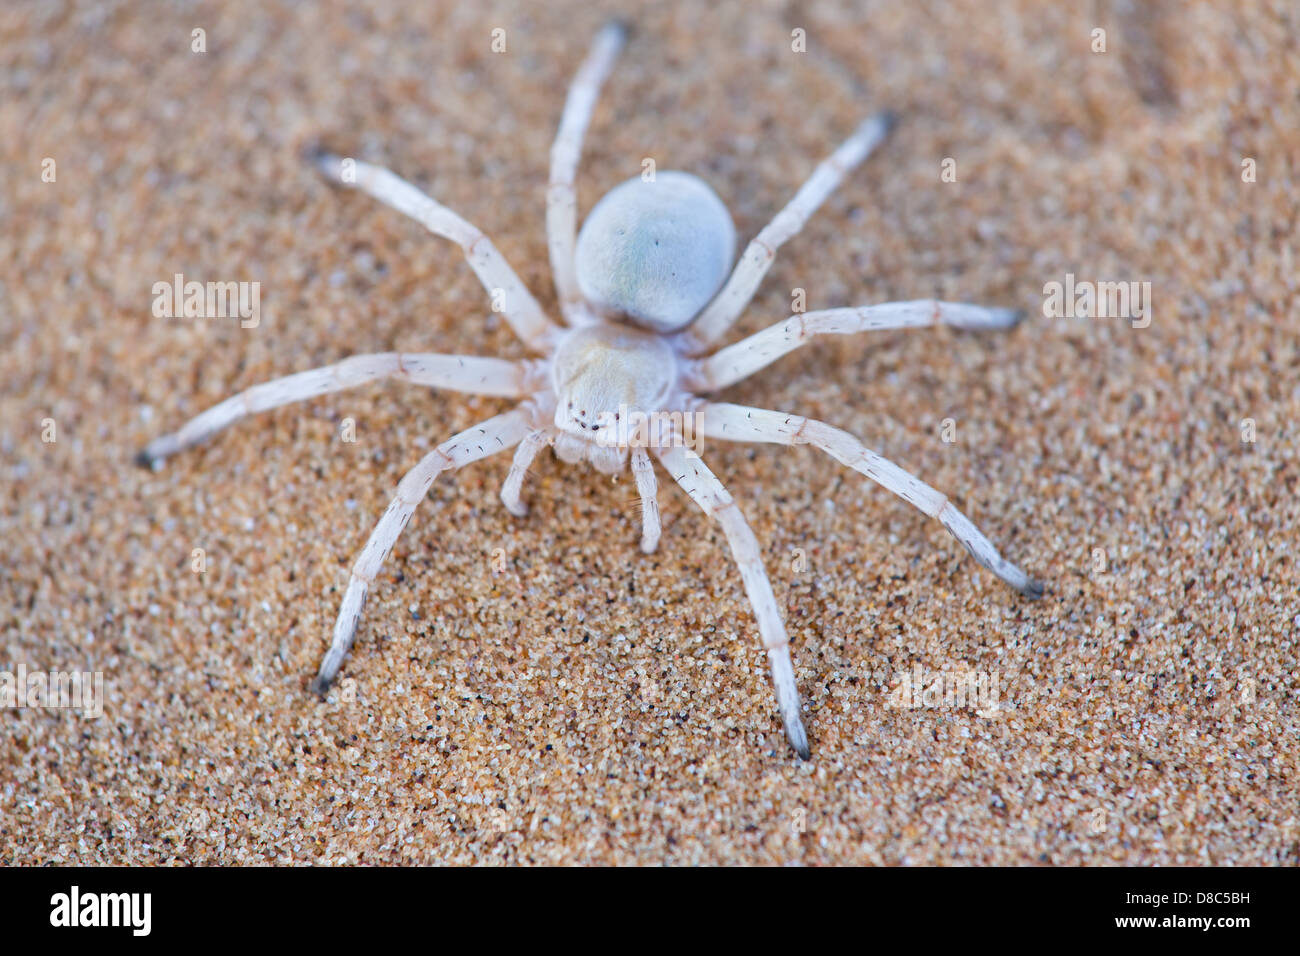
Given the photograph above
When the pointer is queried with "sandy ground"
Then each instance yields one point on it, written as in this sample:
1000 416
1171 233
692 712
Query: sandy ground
538 690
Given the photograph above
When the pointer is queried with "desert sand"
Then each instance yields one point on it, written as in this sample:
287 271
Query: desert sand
537 690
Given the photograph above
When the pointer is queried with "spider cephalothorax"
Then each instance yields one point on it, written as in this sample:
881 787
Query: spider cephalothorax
646 292
602 373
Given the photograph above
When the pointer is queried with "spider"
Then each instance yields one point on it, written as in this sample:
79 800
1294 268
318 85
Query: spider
646 289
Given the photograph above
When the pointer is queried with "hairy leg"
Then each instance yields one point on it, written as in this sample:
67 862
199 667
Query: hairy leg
727 305
510 296
495 434
707 492
461 373
736 362
561 199
744 424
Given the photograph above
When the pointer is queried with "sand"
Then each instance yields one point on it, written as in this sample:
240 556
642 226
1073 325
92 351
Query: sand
537 690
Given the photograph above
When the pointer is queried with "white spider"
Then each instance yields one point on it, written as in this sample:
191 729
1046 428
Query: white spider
640 294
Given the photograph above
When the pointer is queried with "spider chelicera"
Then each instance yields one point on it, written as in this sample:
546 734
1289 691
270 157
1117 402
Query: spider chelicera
647 290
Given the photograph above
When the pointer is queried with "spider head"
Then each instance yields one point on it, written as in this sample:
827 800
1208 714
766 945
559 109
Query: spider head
654 252
607 377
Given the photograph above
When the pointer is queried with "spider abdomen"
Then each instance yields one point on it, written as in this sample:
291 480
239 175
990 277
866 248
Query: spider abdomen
655 251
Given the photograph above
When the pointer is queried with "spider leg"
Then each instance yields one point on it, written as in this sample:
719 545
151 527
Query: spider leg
561 199
742 423
533 442
727 305
509 294
643 470
461 373
742 359
707 492
480 441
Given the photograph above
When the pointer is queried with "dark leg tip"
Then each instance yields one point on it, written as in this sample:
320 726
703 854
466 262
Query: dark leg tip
319 686
324 161
621 26
313 152
805 753
1034 589
144 460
